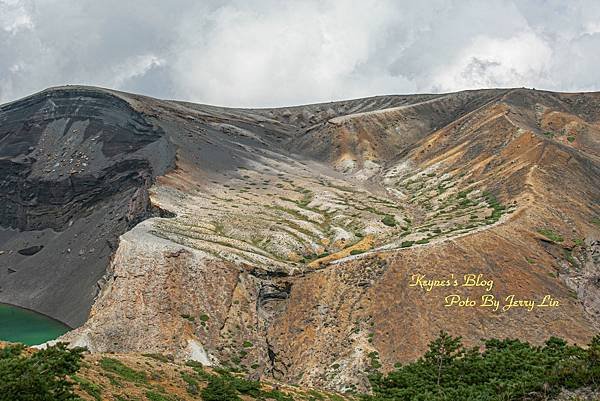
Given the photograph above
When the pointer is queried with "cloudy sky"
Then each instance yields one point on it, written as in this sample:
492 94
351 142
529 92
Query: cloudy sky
274 52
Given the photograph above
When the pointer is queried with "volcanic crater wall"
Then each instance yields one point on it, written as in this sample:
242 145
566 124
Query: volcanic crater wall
75 166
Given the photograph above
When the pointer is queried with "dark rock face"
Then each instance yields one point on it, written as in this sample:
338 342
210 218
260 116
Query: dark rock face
63 151
75 165
32 250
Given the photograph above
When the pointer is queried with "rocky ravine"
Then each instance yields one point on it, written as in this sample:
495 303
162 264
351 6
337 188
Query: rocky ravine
284 240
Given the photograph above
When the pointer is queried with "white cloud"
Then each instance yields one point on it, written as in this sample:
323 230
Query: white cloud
14 16
492 62
133 67
298 52
266 52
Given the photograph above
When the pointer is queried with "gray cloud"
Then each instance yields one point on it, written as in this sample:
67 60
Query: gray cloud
267 53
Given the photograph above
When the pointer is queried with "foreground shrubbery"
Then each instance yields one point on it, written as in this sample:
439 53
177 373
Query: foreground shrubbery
504 370
37 376
223 385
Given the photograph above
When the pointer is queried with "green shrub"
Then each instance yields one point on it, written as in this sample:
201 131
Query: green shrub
160 357
246 387
117 367
356 252
278 396
389 221
463 194
38 376
497 208
191 383
504 370
551 235
570 258
219 389
187 317
155 396
374 360
406 244
91 388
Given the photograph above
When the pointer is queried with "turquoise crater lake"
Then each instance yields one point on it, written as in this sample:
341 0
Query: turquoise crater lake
28 327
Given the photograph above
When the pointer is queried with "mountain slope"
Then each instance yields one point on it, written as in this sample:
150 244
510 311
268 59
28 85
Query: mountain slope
293 234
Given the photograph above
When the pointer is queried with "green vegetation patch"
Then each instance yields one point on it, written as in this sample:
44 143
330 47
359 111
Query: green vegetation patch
156 396
572 261
225 386
504 370
374 360
187 317
497 208
40 375
389 221
551 235
117 367
192 386
91 388
160 357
